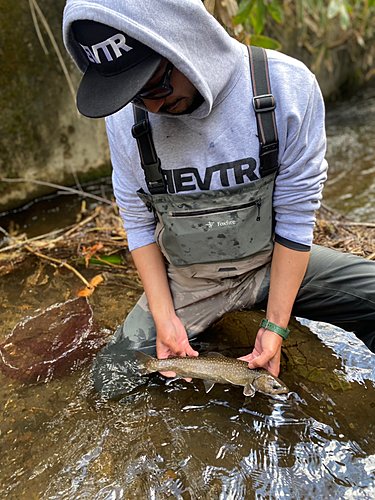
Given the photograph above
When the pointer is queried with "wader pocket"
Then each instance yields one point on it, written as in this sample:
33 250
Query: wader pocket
223 225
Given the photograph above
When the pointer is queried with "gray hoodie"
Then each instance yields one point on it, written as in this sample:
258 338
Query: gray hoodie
198 151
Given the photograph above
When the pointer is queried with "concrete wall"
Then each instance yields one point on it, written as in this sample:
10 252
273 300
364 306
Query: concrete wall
42 136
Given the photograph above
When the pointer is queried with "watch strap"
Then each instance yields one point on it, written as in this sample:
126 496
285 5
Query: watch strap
283 332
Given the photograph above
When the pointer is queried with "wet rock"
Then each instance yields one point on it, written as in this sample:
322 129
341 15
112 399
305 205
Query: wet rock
62 338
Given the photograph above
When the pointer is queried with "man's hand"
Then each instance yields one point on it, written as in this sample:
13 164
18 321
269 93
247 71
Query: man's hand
287 271
266 353
172 340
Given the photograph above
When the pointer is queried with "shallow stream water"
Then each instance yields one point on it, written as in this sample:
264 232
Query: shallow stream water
60 441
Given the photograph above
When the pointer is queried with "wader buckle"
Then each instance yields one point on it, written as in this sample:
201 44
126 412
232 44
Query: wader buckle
269 153
141 128
154 177
264 103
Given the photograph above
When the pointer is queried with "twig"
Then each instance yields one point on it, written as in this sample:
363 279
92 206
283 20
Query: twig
75 176
5 233
365 224
57 186
82 223
112 277
61 263
56 47
21 243
118 266
37 29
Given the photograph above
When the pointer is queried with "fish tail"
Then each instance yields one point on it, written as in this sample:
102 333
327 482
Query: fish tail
143 360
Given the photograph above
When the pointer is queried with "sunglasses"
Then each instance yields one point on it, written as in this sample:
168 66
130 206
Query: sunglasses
159 91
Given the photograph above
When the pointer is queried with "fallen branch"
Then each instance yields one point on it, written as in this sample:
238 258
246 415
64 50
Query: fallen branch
63 188
19 244
61 263
364 224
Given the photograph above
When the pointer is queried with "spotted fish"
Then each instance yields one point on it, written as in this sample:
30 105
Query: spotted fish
216 368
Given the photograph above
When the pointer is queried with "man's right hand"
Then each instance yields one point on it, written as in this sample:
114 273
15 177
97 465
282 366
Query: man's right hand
266 353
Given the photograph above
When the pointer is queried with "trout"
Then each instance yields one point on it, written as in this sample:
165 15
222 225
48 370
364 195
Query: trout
216 368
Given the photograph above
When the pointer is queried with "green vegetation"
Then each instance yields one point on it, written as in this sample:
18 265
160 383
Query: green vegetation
321 27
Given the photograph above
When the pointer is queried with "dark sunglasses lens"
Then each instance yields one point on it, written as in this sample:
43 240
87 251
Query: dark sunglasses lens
155 94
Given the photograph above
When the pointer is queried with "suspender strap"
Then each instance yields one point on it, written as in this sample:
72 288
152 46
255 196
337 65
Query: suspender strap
150 162
264 105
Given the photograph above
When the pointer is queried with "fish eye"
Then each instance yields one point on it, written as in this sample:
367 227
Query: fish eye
275 386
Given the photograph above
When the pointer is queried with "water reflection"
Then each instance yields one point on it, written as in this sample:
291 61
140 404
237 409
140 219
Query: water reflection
159 445
351 157
176 442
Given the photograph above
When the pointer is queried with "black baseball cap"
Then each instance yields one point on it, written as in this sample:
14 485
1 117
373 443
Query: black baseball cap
118 67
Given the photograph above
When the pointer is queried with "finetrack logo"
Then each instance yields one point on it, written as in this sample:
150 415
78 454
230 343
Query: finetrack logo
115 42
221 223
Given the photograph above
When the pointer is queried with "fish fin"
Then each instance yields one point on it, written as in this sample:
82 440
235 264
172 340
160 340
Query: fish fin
208 385
213 354
249 390
142 357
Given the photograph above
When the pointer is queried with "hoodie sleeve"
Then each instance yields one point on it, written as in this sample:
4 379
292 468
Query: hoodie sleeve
303 168
139 223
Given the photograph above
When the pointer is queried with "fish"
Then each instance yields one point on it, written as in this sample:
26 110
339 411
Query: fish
215 368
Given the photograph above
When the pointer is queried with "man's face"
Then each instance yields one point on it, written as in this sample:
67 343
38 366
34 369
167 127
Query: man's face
184 99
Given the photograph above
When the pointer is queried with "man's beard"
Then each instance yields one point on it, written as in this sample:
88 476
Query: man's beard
196 102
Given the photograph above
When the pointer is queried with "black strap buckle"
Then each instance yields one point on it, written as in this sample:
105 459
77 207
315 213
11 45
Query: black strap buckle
157 187
152 171
141 128
154 177
269 158
266 149
264 103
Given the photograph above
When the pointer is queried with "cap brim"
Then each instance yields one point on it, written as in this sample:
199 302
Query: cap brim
99 96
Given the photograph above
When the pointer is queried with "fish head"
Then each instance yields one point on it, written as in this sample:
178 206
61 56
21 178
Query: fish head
268 384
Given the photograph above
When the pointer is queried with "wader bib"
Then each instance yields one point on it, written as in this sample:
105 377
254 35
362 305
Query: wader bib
223 232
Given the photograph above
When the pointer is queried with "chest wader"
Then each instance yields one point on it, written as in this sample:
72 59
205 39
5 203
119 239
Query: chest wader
224 232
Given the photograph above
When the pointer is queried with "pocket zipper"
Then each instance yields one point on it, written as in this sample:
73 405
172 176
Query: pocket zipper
210 211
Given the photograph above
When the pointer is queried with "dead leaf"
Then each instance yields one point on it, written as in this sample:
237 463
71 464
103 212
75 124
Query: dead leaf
89 290
97 280
87 253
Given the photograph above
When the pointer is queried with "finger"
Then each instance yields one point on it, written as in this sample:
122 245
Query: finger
170 349
177 349
259 361
168 374
174 375
247 358
190 351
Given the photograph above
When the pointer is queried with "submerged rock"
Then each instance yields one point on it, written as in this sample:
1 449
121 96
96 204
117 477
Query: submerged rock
62 338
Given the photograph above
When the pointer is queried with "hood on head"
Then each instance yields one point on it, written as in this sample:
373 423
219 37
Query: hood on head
180 30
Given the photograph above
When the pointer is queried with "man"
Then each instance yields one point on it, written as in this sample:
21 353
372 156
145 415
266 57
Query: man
209 231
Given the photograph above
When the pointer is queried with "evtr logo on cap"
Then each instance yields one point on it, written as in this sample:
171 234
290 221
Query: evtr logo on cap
116 42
